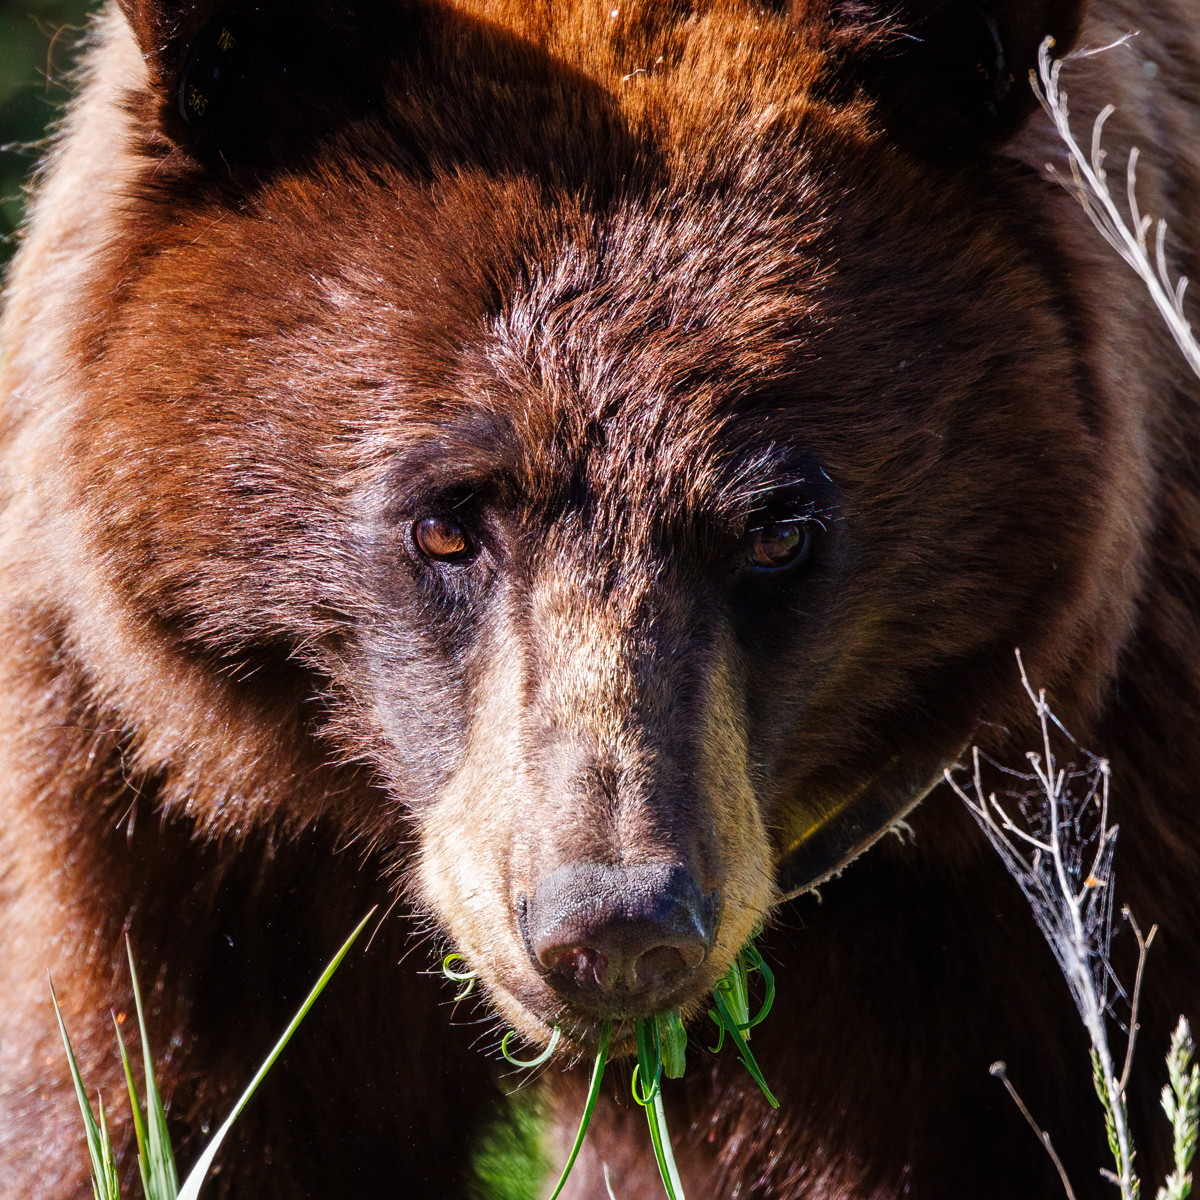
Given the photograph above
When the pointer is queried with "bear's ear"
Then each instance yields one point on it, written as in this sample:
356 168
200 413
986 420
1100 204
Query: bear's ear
164 30
252 80
945 73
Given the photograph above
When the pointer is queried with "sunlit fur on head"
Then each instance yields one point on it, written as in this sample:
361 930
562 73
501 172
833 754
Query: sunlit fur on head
616 316
613 287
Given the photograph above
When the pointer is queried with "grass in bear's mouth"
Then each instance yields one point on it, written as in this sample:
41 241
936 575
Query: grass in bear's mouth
661 1050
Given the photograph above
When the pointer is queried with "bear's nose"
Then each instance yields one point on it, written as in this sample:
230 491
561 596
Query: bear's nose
616 938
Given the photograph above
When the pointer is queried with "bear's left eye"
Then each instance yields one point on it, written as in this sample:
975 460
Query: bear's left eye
779 544
441 539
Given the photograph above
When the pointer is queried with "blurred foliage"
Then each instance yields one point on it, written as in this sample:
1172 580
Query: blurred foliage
37 42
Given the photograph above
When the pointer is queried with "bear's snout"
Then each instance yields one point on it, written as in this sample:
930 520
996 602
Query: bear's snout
619 939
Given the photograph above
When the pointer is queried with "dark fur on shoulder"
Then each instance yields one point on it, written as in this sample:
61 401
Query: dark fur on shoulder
766 396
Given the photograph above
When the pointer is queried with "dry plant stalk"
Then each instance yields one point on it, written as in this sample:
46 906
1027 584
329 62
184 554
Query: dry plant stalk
1059 849
1089 185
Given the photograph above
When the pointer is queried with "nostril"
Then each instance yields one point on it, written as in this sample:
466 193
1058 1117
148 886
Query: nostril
661 963
582 964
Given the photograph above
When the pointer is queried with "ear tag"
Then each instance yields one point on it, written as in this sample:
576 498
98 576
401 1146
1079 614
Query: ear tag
212 75
991 67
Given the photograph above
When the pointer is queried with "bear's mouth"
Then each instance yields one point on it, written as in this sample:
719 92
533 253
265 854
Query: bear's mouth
731 1002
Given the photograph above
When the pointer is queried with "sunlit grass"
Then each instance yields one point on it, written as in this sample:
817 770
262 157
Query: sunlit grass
508 1163
156 1160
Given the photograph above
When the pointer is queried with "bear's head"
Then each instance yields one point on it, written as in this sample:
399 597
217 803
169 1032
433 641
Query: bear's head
601 456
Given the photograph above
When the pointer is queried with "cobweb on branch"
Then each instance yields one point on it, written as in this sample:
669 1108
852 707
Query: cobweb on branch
1056 841
1052 831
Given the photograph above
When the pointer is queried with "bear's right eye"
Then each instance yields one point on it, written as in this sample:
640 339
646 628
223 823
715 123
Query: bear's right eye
780 544
441 539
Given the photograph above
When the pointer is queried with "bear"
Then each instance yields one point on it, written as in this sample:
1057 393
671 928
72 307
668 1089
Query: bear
575 475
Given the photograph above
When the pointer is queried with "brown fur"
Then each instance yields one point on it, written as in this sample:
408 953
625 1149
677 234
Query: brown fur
606 283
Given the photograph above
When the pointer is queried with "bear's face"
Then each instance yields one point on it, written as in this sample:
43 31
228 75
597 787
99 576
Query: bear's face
647 537
677 602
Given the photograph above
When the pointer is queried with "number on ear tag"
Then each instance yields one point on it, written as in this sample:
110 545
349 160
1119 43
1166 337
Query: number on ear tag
213 74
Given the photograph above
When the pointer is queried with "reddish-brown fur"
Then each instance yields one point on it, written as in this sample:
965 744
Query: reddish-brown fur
597 279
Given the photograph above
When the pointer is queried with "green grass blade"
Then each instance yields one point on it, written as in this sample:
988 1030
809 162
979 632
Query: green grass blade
466 978
673 1040
650 1064
111 1187
720 1032
191 1185
733 987
159 1174
661 1138
757 963
739 994
139 1126
724 1017
451 973
544 1057
104 1175
592 1096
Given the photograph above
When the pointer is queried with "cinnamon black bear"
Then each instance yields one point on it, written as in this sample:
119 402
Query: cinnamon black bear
580 472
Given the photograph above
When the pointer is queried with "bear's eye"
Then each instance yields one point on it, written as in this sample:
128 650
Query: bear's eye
441 539
779 544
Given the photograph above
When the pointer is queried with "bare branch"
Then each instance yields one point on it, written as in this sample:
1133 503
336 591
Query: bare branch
1056 841
999 1070
1143 949
1089 186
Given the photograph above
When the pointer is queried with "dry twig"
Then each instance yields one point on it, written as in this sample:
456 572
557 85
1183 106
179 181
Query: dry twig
1059 849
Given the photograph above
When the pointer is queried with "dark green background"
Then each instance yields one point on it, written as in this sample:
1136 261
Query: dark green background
28 100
